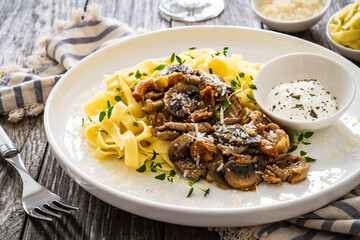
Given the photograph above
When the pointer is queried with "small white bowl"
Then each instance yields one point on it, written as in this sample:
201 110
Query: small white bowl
345 51
290 26
297 66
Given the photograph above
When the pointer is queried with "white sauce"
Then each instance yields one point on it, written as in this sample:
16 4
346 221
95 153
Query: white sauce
302 100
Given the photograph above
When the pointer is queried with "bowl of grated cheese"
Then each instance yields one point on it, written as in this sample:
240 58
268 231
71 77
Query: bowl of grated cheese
290 16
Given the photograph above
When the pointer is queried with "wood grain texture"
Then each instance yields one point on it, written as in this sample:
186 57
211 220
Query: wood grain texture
21 24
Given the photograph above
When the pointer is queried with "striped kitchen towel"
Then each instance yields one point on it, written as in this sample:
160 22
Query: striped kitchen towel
24 92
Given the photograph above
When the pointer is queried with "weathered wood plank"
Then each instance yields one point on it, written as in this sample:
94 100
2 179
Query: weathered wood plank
22 22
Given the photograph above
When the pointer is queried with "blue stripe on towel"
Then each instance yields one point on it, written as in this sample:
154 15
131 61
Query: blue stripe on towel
273 228
18 97
309 235
70 55
79 25
38 91
82 40
6 80
327 224
355 228
1 105
347 208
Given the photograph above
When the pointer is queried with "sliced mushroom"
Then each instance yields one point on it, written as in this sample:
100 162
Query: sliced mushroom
215 171
179 68
179 148
245 172
181 100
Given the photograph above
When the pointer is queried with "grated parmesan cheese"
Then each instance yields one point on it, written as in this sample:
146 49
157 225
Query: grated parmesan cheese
290 10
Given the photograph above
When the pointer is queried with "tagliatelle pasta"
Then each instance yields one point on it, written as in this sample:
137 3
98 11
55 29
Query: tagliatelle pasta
117 127
345 26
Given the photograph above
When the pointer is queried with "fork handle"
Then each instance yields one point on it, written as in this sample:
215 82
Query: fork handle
7 148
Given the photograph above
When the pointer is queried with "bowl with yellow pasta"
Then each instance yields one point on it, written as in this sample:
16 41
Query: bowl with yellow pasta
343 31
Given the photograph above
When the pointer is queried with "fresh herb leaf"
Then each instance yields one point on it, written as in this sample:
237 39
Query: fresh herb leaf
138 74
117 98
102 115
172 58
179 60
233 84
306 143
83 121
130 74
160 67
161 176
241 74
197 179
308 134
190 192
302 153
217 53
144 74
310 159
154 155
250 97
141 169
217 114
118 89
192 48
252 86
210 71
135 124
226 104
103 131
108 104
300 137
293 148
207 192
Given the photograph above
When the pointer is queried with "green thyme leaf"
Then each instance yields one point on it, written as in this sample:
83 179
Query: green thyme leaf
217 53
192 48
144 74
310 159
210 71
83 121
135 124
117 98
241 74
103 131
161 176
207 191
154 156
226 104
131 73
252 86
250 97
138 74
102 115
293 148
179 60
190 192
108 104
308 134
172 58
160 67
233 84
302 153
306 143
197 179
217 114
141 169
301 137
118 89
172 173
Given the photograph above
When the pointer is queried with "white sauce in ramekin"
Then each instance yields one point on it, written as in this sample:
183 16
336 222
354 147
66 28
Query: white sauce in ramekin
305 100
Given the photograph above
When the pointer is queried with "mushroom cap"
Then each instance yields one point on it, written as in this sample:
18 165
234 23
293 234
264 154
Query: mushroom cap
244 172
182 99
179 148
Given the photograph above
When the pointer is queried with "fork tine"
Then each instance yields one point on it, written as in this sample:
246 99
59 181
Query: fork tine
48 212
56 208
66 205
39 216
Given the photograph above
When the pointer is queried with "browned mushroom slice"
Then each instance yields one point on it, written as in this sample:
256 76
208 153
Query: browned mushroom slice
244 172
229 150
179 68
189 168
181 100
215 171
179 148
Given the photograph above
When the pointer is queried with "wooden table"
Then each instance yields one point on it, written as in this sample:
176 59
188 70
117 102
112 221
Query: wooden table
22 23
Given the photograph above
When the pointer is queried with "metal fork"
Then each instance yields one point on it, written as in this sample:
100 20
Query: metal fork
37 201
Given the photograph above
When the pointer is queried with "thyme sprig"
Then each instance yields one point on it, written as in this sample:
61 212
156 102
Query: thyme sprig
234 83
157 168
224 52
301 137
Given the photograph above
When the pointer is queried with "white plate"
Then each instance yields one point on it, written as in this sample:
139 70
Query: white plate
336 148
